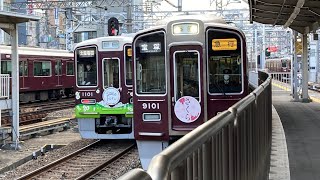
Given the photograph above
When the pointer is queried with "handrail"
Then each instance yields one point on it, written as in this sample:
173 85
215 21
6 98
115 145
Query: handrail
4 86
234 144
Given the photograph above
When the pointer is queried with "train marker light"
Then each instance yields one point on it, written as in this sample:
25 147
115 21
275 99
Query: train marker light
88 101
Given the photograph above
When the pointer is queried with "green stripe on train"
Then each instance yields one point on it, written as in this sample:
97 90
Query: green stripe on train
96 110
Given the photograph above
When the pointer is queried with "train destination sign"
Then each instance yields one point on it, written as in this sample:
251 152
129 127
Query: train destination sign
110 44
150 47
224 44
186 29
86 53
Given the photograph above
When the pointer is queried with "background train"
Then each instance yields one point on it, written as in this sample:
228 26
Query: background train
278 65
104 88
187 69
44 73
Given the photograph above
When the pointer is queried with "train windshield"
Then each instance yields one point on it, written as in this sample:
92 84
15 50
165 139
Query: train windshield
86 67
111 73
150 64
128 67
224 62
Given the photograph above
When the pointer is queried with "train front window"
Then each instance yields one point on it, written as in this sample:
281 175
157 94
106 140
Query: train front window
128 67
150 64
224 62
111 73
86 66
186 74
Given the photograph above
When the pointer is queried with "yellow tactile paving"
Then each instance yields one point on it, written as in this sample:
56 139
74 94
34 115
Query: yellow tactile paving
314 99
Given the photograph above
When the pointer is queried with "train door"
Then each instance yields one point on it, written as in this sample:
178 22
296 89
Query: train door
186 87
58 72
23 72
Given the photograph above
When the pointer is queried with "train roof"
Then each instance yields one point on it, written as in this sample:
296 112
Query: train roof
36 51
98 41
207 19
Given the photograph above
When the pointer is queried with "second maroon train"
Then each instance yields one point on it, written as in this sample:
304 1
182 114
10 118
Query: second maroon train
44 73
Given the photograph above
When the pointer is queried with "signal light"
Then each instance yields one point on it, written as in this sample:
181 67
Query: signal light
113 26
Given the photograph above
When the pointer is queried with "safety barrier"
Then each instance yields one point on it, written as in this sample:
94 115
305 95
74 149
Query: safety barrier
235 144
4 86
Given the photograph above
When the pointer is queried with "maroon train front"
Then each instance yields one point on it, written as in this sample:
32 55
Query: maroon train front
187 69
44 73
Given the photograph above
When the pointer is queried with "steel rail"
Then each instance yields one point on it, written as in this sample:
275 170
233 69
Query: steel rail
59 161
103 165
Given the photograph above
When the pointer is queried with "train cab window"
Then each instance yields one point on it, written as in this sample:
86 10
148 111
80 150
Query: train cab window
23 68
150 64
86 66
186 74
128 67
70 68
58 68
6 67
224 62
111 73
42 68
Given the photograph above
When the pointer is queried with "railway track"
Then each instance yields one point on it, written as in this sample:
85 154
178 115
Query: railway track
36 112
85 162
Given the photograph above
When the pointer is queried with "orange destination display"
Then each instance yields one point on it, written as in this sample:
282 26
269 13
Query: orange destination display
224 44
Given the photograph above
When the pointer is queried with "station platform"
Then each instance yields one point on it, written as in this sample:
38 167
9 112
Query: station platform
301 123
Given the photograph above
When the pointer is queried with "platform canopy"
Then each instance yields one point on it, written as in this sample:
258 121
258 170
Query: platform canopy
300 15
9 19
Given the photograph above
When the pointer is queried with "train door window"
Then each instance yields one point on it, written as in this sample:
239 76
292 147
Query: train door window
111 73
6 67
150 64
58 68
86 63
42 68
70 68
23 68
128 67
224 62
186 66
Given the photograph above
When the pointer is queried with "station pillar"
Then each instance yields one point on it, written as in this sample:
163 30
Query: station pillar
305 78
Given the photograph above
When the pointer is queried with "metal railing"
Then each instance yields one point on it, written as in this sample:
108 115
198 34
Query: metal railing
4 86
234 145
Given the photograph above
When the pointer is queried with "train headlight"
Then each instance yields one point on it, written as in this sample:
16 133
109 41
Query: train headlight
98 91
151 116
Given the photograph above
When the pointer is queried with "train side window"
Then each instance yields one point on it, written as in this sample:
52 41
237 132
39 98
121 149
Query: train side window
70 68
23 68
42 68
224 62
6 67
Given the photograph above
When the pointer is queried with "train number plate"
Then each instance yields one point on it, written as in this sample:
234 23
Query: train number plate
150 106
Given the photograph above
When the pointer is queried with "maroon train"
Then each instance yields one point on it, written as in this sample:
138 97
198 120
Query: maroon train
44 73
278 65
187 69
